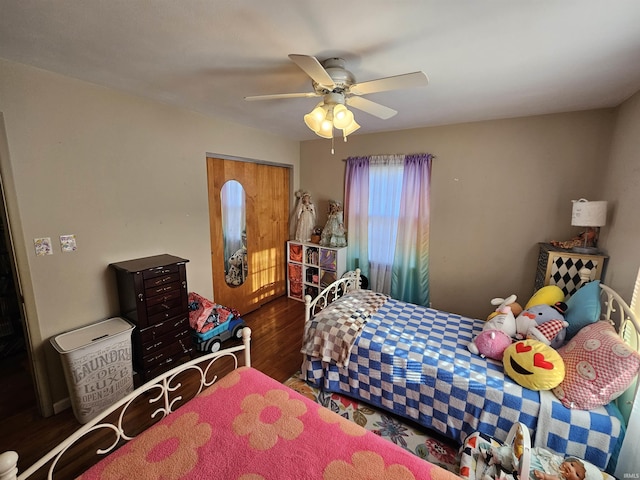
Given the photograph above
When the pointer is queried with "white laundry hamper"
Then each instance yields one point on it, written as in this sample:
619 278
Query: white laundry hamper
97 365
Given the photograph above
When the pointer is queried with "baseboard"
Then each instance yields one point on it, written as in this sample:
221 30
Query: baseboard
61 406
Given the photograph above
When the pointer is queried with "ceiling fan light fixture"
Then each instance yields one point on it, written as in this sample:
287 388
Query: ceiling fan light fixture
311 122
314 119
325 133
342 117
329 114
326 127
349 129
339 112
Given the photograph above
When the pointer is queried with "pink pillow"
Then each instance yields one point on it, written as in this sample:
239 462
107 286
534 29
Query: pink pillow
599 367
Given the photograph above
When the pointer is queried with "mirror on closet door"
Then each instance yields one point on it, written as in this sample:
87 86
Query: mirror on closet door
234 233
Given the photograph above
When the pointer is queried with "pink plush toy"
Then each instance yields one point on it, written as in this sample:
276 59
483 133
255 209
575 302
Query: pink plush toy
496 335
491 343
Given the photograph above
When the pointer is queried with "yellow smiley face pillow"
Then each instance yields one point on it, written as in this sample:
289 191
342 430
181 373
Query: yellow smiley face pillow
533 365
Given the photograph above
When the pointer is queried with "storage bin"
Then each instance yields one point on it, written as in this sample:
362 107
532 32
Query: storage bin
97 365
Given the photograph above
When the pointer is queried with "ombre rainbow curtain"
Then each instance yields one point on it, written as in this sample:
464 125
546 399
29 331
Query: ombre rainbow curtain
387 212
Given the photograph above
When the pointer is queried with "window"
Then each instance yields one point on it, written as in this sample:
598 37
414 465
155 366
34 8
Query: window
387 211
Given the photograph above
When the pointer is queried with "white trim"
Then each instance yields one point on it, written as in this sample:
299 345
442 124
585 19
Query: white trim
61 405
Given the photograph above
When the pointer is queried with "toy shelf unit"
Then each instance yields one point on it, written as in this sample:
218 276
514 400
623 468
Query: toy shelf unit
311 267
561 267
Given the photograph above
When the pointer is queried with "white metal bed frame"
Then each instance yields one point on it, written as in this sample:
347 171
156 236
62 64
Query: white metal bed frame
158 391
614 309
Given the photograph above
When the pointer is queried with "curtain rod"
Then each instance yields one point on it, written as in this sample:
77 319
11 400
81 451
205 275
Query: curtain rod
377 154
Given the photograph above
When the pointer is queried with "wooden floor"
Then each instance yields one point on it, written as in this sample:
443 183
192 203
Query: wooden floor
275 350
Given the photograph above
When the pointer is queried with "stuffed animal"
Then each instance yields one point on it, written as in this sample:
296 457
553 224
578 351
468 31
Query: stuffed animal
234 272
549 331
547 295
490 343
504 456
533 365
495 336
535 316
516 308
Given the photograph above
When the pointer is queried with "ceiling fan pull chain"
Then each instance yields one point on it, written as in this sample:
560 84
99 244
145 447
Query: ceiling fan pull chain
332 150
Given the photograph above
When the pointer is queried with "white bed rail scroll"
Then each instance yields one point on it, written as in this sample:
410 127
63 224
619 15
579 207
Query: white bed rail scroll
349 281
161 392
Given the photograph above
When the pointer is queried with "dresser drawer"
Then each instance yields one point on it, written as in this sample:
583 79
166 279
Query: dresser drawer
165 297
163 307
162 289
159 343
161 317
159 356
161 280
162 328
154 332
159 271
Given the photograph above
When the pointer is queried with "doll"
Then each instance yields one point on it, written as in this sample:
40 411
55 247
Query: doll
571 469
547 465
305 217
333 234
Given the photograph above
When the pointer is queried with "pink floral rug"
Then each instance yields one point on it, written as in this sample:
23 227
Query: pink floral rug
429 446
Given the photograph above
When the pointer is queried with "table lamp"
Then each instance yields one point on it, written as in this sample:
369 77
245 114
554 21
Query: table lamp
591 215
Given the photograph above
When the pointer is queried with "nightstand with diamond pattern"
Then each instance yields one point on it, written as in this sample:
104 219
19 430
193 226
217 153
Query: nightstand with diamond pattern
561 267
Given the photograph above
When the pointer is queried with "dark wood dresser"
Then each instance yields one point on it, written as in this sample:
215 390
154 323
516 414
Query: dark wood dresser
154 297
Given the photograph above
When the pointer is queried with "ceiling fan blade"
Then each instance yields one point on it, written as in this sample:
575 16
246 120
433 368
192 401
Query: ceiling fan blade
407 80
372 108
277 96
313 68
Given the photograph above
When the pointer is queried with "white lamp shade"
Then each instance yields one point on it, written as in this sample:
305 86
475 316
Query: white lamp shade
311 122
315 117
349 129
341 116
588 214
326 129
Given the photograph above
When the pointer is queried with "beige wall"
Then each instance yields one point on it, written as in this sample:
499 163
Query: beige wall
498 188
126 175
620 181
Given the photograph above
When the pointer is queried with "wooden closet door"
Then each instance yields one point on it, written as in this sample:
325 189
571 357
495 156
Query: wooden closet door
267 220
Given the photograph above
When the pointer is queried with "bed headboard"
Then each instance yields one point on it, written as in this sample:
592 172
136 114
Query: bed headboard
628 403
616 310
349 281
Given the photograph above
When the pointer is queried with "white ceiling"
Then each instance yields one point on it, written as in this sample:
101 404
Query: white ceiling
486 59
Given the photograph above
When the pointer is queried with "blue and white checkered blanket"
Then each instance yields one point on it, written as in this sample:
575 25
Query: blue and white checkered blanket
414 361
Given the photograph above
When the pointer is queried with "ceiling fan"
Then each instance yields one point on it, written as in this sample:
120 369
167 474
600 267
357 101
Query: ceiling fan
338 87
